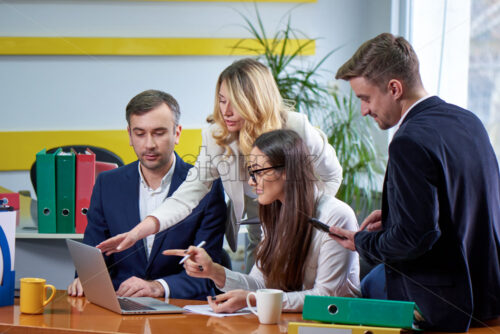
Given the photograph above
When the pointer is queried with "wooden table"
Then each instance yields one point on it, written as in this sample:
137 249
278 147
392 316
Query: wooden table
76 315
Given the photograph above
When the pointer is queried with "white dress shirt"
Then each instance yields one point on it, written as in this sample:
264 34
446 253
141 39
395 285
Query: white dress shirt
149 200
331 270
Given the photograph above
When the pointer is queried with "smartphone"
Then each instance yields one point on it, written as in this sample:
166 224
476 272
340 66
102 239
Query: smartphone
323 227
249 221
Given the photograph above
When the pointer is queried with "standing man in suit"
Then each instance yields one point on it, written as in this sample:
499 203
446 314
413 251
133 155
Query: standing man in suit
125 196
437 235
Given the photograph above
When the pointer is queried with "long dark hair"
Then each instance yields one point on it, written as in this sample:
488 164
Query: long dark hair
287 234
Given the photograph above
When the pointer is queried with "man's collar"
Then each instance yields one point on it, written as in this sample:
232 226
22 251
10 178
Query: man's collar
408 110
167 178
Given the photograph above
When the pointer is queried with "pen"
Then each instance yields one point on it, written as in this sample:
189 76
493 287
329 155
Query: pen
6 208
201 244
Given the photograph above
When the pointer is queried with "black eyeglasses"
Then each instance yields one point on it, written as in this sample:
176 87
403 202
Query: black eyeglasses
252 173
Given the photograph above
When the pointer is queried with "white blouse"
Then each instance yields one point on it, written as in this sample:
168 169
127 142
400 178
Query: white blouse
331 270
212 163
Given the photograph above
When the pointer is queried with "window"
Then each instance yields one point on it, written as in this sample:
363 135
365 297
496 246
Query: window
458 45
484 67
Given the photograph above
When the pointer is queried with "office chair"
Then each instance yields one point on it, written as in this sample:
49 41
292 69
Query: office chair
101 154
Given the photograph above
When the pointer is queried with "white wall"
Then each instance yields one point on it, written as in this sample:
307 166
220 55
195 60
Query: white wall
91 92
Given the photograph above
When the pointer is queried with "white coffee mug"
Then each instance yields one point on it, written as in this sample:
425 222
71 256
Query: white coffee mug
269 303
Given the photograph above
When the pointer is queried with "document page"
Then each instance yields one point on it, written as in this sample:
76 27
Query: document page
207 310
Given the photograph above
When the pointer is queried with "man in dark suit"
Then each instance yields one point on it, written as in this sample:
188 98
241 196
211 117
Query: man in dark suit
123 197
437 235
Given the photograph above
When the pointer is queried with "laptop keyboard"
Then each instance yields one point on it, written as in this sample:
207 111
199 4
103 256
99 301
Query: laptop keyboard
130 305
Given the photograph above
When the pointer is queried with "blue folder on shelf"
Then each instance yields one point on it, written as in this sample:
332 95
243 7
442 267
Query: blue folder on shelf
7 279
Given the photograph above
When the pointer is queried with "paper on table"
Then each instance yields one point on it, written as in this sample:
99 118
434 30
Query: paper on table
207 310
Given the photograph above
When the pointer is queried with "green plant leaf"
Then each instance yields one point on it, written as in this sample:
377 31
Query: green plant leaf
347 131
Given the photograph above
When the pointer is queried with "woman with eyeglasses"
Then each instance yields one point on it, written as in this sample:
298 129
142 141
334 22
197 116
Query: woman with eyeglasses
247 104
293 256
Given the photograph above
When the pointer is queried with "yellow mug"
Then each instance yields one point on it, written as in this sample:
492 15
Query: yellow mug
33 293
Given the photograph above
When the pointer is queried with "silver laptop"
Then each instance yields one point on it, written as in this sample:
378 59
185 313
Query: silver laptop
98 288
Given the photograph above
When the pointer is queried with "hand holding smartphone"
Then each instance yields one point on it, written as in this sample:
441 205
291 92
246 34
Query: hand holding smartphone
323 227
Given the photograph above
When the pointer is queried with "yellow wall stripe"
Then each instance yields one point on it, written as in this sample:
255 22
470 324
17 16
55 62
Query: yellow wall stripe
128 46
20 156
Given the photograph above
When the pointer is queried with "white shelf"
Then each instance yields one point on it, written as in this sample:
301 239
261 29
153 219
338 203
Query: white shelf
36 235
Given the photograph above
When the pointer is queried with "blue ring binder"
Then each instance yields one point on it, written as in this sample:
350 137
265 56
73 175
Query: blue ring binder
7 286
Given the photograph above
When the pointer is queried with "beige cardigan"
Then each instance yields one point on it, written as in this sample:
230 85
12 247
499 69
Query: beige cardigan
212 164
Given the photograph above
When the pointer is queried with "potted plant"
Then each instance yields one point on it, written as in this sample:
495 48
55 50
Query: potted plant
349 133
281 53
352 137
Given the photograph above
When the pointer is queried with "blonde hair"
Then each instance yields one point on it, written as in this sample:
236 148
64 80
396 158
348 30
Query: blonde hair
254 95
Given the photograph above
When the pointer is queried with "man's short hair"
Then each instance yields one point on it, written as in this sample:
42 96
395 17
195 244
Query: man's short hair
381 59
150 99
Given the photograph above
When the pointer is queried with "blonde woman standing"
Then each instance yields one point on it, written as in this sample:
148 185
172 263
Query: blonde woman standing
247 104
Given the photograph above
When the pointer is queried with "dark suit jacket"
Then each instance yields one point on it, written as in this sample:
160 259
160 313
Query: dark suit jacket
440 217
114 209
